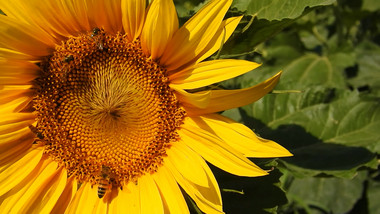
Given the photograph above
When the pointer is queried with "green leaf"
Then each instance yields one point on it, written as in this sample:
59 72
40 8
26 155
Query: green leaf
371 5
348 120
373 195
341 54
330 159
278 9
368 54
305 123
244 42
312 69
302 67
193 208
329 195
187 8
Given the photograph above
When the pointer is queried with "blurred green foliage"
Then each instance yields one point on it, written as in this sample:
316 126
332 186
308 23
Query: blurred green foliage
330 52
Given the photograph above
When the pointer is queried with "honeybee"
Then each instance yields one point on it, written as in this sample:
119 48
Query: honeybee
97 38
95 32
68 59
105 181
65 64
36 132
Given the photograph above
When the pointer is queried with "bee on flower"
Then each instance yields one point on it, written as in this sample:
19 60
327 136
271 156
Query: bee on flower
125 103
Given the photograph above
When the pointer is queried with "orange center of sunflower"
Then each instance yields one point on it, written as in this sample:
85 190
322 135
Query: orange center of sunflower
102 103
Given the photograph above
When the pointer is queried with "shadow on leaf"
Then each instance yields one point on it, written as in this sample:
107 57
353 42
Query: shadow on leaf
312 156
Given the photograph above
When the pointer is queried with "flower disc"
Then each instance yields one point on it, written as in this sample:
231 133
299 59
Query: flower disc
120 118
101 102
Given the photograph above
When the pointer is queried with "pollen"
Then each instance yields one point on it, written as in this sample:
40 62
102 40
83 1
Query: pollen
100 102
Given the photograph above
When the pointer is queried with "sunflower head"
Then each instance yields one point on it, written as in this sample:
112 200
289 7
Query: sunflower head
101 109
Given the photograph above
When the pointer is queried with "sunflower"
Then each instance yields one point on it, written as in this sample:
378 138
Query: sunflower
99 111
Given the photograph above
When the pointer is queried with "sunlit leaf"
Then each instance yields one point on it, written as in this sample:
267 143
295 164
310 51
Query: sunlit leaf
312 69
259 31
277 9
330 122
371 5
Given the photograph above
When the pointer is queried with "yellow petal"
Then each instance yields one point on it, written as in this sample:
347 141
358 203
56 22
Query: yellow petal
27 13
13 119
17 72
35 194
216 151
150 198
12 174
84 200
9 199
194 36
14 144
15 34
66 196
221 100
207 199
51 193
9 93
105 14
133 15
200 100
39 192
16 9
128 200
16 105
188 163
100 207
170 192
13 122
20 79
224 32
11 153
14 148
210 72
58 18
113 206
12 54
74 16
160 24
242 138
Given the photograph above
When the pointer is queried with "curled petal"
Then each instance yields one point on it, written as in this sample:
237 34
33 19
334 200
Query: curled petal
210 72
221 100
